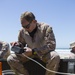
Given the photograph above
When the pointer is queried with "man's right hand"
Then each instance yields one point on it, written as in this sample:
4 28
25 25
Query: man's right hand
14 43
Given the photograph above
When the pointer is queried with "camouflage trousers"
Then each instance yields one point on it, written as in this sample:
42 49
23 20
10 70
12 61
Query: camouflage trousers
16 63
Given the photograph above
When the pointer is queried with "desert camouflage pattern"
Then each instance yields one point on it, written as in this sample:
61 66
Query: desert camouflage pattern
44 43
71 55
4 50
72 45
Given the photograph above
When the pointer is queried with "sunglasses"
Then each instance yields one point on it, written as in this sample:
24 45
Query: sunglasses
26 26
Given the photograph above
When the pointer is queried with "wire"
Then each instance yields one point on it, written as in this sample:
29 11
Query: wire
46 68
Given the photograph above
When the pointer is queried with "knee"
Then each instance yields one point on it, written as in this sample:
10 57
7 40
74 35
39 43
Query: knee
57 58
10 59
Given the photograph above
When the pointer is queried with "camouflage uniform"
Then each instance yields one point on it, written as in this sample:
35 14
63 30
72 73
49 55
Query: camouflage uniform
43 43
72 52
4 50
71 56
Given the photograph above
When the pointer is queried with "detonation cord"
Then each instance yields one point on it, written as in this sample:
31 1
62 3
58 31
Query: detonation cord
46 68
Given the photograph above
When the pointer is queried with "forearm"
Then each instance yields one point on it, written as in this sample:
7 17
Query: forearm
44 49
50 42
21 39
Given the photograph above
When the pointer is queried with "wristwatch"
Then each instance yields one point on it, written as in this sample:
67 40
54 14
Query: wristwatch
33 51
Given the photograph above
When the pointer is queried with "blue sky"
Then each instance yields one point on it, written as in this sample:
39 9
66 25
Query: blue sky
60 14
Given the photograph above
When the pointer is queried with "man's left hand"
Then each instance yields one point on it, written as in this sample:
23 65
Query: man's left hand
28 51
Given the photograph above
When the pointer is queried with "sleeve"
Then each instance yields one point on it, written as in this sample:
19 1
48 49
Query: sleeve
21 38
50 41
